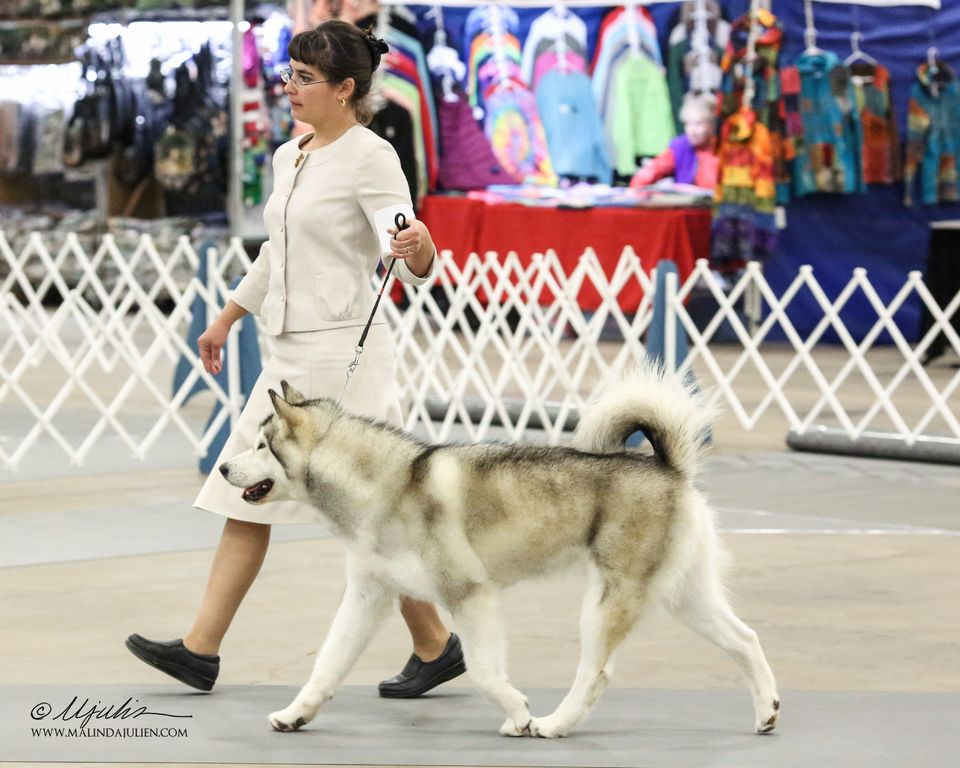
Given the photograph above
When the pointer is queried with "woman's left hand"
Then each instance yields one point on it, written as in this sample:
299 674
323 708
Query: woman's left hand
415 246
408 243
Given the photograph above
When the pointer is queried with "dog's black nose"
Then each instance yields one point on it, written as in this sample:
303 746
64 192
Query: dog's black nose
224 469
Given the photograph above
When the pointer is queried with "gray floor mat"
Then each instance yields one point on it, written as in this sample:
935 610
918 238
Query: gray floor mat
630 727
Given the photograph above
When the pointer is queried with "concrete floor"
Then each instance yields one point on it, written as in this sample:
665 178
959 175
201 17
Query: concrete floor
847 568
658 727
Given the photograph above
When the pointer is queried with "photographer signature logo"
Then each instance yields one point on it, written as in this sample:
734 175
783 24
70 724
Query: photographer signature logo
86 711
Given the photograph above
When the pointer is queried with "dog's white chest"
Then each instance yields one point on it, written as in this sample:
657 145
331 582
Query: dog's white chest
403 570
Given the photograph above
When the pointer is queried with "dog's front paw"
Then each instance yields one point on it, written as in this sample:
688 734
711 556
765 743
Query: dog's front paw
547 728
293 717
512 728
767 720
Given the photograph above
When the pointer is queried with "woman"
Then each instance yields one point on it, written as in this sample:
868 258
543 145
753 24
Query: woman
690 158
329 186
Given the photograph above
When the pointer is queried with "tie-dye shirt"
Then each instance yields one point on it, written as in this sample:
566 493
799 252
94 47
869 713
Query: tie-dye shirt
513 126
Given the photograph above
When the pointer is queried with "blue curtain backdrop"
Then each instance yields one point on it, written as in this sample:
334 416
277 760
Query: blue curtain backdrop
833 233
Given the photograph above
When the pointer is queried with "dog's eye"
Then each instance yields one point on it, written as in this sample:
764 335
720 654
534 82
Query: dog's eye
261 446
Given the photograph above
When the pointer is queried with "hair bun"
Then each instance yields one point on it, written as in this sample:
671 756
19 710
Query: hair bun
377 47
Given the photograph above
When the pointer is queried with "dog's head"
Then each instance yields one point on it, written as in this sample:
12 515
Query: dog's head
275 469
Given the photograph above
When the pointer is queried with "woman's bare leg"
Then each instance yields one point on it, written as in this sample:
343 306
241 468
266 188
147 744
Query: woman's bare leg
429 634
236 564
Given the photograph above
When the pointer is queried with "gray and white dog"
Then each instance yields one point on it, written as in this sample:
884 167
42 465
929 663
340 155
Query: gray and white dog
455 524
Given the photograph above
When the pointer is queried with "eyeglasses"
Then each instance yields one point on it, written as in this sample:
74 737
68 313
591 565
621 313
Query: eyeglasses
288 76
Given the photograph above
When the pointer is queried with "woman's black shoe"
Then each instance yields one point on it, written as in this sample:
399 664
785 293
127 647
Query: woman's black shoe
174 658
420 676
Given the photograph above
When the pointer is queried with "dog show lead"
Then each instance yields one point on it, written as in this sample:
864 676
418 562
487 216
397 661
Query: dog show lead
334 211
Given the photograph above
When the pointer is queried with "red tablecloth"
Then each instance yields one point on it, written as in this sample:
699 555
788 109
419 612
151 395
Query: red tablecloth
471 226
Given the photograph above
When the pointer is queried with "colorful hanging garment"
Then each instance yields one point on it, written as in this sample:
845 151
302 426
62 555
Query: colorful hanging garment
467 161
639 118
743 221
572 126
880 155
933 136
545 34
516 134
768 102
827 153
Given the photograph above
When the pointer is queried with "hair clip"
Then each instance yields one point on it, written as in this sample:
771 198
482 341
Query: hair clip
378 47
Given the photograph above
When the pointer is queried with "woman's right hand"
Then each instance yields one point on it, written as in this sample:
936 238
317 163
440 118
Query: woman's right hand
211 341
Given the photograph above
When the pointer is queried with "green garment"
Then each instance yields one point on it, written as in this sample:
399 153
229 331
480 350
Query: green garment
677 76
641 117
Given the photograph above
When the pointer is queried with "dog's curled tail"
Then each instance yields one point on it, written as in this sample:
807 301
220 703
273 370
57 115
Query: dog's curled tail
670 412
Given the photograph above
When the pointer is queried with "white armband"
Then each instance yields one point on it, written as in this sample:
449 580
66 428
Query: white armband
385 219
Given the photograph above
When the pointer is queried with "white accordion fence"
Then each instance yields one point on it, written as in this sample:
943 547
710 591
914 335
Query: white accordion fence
89 343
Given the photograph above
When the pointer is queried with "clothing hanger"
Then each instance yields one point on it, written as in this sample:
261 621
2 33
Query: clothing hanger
496 26
688 13
933 70
810 33
863 74
633 34
937 71
701 61
563 64
857 54
443 60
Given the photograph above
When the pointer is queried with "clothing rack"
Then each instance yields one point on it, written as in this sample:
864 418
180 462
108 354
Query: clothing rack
518 4
763 4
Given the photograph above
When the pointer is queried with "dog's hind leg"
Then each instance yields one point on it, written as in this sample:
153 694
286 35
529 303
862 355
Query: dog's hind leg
704 608
610 610
484 647
365 603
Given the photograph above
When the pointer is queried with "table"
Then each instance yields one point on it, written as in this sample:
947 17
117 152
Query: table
943 279
466 226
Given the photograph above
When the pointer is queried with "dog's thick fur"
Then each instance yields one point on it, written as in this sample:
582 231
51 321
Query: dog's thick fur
454 524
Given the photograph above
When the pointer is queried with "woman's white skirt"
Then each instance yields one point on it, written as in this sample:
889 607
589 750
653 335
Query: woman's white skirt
314 362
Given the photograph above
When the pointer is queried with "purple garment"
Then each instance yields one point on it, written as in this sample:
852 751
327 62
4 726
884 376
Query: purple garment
685 160
466 158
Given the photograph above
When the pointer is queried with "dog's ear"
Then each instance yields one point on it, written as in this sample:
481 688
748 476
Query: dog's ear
289 413
290 394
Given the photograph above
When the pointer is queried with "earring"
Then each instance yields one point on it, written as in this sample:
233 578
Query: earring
343 103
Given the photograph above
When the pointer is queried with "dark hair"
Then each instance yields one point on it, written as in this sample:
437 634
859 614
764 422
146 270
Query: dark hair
341 50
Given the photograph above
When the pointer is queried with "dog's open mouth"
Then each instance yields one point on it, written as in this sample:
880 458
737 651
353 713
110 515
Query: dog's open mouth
258 491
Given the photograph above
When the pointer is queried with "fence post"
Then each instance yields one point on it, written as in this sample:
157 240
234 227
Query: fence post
670 320
235 393
213 308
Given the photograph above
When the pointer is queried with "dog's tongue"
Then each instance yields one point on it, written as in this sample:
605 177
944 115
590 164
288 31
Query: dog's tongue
257 491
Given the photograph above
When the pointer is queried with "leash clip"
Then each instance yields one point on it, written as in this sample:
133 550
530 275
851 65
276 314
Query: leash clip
351 368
